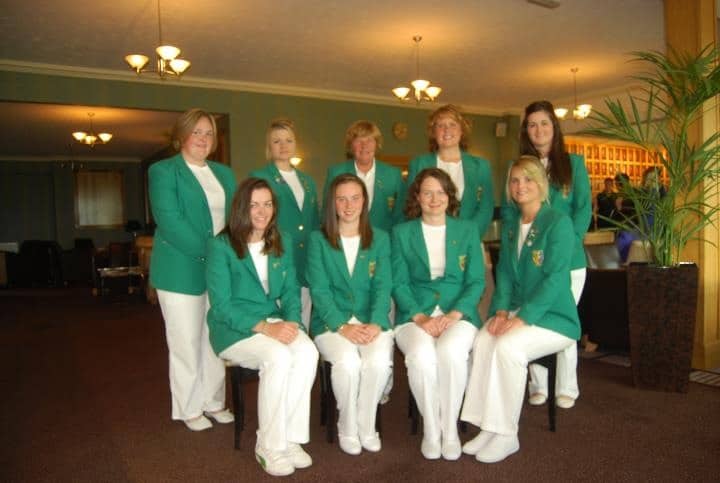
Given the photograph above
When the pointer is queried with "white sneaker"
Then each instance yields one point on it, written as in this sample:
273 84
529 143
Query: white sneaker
537 399
371 443
298 457
498 448
350 444
275 463
477 443
430 448
451 450
564 402
224 416
201 423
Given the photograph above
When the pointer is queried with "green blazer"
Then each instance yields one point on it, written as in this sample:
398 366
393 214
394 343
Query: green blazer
384 211
477 203
297 223
184 224
577 204
337 295
237 299
459 289
538 281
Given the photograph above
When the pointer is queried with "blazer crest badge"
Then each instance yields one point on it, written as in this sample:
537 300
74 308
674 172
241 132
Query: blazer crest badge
462 260
538 256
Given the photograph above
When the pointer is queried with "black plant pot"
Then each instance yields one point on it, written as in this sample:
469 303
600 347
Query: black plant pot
662 304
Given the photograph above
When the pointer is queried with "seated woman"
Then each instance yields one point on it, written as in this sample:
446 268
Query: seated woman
438 278
348 269
535 313
253 321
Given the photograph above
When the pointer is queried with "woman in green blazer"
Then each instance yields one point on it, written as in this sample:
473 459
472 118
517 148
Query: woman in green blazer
297 199
383 182
438 278
534 313
253 319
541 136
348 270
190 197
448 134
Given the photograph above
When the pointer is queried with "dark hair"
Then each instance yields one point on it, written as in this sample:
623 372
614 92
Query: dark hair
453 111
412 205
185 125
559 168
330 224
240 226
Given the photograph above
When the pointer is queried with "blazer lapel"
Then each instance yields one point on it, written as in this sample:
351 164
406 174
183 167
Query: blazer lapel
282 185
417 241
197 191
338 258
452 259
247 261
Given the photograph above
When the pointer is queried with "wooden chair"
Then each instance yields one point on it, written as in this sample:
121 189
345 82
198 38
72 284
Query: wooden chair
238 375
550 363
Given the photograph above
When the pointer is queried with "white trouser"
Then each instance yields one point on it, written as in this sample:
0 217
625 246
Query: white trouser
359 376
305 307
287 373
197 375
494 395
566 383
437 373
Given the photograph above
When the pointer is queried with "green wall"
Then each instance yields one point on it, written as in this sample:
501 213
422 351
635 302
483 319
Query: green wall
320 123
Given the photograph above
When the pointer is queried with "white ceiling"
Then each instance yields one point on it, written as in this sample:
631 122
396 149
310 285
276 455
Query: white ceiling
490 56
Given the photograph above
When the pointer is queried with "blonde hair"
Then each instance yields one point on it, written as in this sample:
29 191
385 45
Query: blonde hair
360 129
276 125
535 171
452 111
185 125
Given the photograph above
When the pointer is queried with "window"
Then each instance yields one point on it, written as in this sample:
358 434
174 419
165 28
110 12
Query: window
99 198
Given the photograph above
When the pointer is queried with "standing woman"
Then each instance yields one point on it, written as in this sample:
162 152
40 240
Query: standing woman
350 281
297 205
190 197
254 322
535 314
383 182
448 134
438 277
540 136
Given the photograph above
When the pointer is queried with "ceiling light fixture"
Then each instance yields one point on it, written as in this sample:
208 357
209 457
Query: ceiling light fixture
90 138
580 111
422 90
168 62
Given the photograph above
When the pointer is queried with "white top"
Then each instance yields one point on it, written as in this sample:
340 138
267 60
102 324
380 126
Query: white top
435 243
524 230
350 245
545 162
455 171
369 180
291 178
260 260
214 193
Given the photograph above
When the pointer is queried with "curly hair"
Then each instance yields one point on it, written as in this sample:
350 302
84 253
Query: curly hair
412 205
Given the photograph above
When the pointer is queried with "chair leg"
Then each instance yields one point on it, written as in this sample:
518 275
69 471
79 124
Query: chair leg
552 375
330 404
413 413
238 404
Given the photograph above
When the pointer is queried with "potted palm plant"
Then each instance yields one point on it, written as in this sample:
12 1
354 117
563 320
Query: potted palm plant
662 295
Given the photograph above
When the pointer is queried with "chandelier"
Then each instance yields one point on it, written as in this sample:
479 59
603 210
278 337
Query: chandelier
90 138
168 62
422 90
580 111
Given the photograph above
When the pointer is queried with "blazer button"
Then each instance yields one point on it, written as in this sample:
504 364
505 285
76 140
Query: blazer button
301 245
300 227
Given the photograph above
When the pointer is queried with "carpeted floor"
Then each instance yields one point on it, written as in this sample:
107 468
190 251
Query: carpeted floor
85 398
